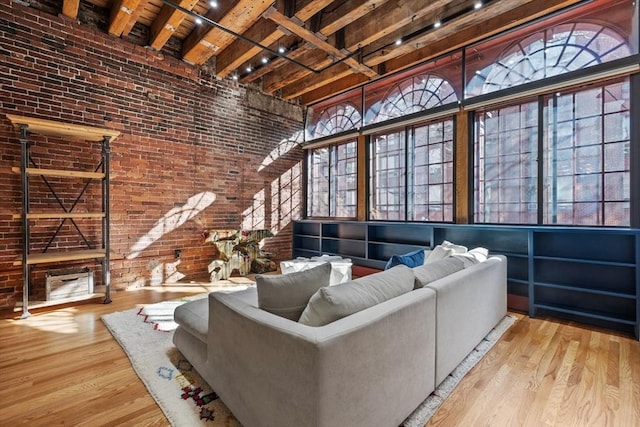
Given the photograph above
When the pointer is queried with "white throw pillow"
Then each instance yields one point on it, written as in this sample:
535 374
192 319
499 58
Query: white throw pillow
287 295
335 302
455 249
444 250
438 253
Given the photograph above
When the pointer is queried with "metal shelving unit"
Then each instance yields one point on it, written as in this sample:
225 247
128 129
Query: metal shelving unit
28 126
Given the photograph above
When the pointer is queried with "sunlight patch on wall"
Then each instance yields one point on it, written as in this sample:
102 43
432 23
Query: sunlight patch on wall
286 198
172 220
283 148
253 218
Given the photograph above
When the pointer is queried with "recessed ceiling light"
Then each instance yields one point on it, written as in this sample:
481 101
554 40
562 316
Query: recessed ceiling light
249 69
398 42
282 49
213 3
198 20
437 24
265 59
477 5
234 77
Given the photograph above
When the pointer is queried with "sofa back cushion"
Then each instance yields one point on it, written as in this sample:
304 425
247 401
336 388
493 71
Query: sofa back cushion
287 295
433 271
335 302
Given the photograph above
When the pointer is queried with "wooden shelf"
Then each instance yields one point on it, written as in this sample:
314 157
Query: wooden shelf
66 130
60 172
62 215
49 257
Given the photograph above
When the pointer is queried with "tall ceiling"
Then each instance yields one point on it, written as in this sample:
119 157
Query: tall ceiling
329 45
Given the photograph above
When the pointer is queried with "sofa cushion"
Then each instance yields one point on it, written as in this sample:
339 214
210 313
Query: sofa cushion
433 271
411 259
287 295
332 303
193 316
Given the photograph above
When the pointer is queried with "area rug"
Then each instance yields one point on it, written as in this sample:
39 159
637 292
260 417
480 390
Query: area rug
187 400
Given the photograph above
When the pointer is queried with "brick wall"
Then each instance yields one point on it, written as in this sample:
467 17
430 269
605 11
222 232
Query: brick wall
195 152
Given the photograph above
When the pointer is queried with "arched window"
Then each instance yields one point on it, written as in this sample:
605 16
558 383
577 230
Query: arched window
337 118
557 50
417 93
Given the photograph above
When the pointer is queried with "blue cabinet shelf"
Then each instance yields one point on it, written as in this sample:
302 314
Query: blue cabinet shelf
590 275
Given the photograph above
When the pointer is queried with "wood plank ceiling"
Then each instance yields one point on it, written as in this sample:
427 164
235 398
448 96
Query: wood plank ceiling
336 44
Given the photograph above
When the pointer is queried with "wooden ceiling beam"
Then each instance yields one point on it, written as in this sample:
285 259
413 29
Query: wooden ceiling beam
297 54
337 19
442 42
70 8
134 17
391 17
312 38
167 22
205 40
348 12
240 52
394 13
121 12
266 32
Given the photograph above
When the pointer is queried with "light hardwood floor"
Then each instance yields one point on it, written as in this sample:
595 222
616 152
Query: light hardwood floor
63 367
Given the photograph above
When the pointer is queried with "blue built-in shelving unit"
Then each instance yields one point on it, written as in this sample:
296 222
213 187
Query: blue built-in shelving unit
590 275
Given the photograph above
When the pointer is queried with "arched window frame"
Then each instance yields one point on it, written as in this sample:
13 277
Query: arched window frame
557 50
337 118
414 94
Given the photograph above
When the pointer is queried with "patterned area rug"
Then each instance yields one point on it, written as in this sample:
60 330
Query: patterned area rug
187 400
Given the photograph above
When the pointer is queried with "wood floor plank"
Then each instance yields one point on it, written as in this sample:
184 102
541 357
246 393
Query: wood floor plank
64 367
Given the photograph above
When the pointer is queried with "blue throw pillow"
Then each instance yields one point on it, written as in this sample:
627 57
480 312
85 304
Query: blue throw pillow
412 259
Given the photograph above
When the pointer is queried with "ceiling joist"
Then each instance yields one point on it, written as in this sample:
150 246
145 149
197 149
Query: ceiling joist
316 41
121 13
70 8
167 22
264 31
203 43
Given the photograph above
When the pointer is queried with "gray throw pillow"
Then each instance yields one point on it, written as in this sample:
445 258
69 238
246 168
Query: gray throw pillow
335 302
433 271
287 295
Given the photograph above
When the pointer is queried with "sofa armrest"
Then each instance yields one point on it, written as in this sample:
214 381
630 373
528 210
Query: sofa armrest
271 371
470 303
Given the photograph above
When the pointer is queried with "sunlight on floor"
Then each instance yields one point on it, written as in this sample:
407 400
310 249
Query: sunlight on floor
60 321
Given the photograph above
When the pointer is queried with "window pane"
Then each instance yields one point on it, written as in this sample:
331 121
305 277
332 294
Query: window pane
587 157
505 166
318 182
431 172
344 180
387 176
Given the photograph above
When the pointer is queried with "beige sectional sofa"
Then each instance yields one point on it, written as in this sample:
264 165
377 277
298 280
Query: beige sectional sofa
370 368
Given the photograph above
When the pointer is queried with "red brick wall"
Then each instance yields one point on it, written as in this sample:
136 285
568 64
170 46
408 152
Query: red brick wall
195 153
